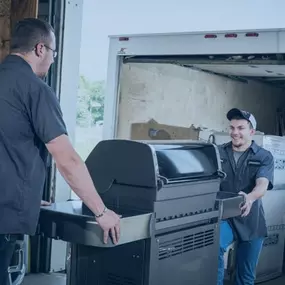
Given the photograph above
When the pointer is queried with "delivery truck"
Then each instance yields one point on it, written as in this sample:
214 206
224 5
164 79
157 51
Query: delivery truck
181 85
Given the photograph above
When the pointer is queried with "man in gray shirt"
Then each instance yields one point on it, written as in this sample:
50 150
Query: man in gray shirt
249 170
31 126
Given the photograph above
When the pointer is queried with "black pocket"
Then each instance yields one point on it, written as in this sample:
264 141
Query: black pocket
224 163
253 166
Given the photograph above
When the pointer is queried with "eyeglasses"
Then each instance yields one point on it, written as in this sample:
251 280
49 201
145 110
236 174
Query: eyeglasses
54 51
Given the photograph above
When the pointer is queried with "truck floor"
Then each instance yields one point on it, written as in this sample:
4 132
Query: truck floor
59 279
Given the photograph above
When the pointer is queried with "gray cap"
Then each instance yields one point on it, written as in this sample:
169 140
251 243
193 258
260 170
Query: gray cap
243 114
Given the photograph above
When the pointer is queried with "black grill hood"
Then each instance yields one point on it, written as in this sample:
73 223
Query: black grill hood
148 164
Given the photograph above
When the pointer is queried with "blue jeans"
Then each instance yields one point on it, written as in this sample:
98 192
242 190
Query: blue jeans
247 254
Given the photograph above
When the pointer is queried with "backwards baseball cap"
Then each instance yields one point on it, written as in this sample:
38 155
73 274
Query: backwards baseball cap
243 114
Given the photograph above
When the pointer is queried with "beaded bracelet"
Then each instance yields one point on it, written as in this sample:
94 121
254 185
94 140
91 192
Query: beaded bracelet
100 215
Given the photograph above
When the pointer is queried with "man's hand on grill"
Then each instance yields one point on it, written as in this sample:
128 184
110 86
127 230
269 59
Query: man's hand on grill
246 207
110 224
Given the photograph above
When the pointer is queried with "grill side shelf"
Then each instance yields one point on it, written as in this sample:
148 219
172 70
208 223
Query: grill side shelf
77 229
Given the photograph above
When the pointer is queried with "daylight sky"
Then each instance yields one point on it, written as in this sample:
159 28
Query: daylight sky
104 17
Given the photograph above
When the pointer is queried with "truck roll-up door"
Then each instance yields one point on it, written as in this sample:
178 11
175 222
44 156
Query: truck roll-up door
266 68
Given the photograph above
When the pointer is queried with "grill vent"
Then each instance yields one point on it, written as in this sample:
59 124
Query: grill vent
187 243
114 279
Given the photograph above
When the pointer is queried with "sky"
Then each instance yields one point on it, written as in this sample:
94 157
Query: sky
102 18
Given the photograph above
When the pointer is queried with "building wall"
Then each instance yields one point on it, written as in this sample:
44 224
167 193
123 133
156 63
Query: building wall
179 96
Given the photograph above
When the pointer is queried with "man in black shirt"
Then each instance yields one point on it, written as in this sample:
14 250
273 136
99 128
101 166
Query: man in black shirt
31 125
249 170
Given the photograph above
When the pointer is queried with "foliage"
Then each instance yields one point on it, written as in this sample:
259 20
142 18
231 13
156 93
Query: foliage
90 102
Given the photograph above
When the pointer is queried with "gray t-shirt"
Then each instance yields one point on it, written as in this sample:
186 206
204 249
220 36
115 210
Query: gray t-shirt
237 155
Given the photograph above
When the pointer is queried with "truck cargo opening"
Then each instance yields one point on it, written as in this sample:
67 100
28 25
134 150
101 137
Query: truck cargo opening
194 79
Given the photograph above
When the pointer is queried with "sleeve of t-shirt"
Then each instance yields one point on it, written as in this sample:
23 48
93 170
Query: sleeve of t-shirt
266 170
46 115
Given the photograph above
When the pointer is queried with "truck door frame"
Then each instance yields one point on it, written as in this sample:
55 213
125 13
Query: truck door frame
66 17
69 81
68 90
111 102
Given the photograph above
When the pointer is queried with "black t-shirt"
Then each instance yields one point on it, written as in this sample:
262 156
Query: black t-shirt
254 163
30 117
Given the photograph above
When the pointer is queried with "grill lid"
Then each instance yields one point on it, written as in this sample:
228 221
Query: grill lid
179 162
145 164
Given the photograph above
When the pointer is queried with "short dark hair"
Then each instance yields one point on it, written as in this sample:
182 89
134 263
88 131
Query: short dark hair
28 32
242 118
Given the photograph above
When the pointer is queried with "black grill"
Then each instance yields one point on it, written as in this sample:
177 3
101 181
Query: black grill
168 195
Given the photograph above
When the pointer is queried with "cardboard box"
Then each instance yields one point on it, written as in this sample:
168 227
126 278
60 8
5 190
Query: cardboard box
152 130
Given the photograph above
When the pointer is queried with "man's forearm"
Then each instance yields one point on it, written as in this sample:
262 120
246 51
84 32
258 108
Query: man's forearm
77 176
256 193
259 190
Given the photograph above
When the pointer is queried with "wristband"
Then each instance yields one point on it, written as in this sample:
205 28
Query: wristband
100 215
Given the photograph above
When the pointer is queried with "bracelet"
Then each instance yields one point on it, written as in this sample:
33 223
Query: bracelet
100 215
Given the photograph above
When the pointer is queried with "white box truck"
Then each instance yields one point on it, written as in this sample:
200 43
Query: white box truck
186 79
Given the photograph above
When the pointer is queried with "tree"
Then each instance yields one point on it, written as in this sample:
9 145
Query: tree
90 102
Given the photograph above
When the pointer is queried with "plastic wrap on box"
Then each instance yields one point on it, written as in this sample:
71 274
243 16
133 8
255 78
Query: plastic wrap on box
274 209
276 145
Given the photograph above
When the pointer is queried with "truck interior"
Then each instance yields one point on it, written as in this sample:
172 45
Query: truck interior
265 70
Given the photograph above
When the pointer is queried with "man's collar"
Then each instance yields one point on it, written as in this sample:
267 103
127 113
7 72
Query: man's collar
15 59
254 147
